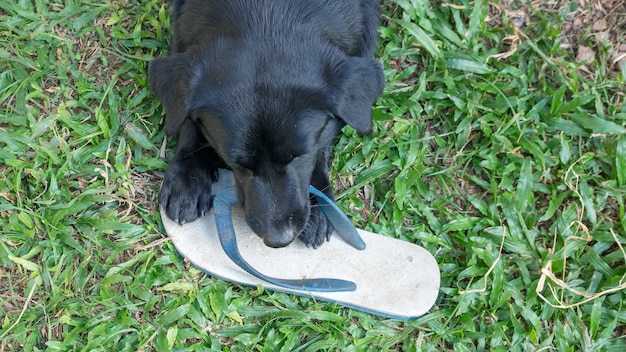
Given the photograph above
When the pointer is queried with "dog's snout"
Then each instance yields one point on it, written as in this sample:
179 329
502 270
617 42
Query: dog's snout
276 208
280 229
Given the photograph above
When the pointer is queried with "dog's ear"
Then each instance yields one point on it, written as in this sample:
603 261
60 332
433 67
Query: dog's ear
356 83
169 79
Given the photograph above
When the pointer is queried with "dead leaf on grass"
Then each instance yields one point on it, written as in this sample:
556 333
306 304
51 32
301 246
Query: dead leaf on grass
8 197
584 54
512 41
599 25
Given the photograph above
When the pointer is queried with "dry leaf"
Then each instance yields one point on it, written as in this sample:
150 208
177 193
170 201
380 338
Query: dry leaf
599 25
584 54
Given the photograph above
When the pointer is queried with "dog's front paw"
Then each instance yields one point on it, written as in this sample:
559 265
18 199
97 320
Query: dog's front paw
317 230
186 191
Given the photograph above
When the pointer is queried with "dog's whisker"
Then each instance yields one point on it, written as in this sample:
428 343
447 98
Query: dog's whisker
201 147
325 188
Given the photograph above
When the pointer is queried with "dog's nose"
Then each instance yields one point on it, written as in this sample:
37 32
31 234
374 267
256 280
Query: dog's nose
280 241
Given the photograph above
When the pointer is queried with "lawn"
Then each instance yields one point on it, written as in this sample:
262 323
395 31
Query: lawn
499 145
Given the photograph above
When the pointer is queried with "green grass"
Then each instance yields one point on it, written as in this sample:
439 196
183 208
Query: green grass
512 172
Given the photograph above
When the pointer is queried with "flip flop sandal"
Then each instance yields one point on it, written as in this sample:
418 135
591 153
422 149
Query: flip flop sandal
356 268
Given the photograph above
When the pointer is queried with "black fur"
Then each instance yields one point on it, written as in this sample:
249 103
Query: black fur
263 87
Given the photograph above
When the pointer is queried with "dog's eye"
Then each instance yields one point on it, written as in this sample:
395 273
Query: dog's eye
292 156
285 158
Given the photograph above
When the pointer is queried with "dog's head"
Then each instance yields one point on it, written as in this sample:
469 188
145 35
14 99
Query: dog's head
274 128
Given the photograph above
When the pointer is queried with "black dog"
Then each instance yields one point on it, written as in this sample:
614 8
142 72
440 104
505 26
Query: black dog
263 87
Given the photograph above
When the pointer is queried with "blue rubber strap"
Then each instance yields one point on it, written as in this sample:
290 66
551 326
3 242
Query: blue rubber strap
338 219
223 204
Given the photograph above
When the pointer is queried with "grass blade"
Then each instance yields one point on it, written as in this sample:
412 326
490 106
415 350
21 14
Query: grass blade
524 186
597 125
620 160
468 66
422 38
